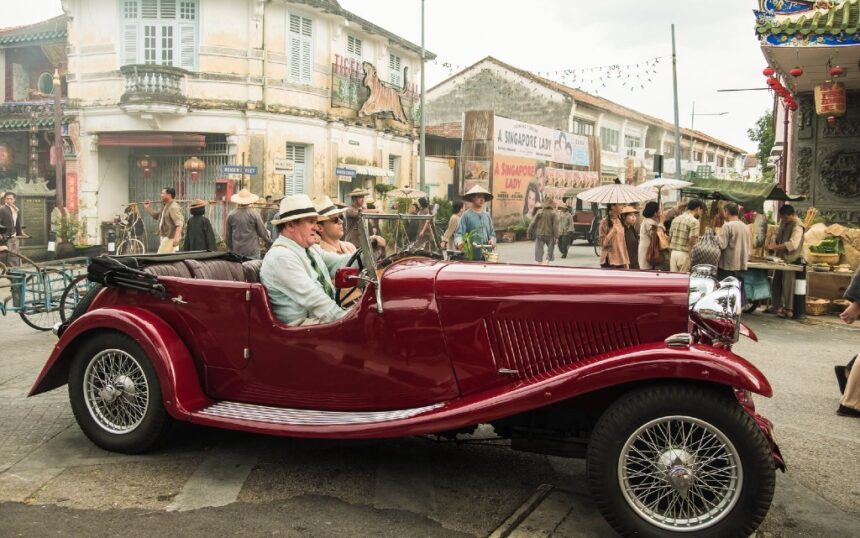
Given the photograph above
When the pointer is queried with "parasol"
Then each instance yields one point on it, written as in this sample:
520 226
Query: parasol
664 183
616 193
406 192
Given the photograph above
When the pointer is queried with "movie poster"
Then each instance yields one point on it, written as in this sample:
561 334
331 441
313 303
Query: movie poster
515 190
476 173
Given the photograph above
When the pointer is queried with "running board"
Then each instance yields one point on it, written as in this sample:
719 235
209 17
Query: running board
307 417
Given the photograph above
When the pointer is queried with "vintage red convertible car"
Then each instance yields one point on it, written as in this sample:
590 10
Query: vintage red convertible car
632 370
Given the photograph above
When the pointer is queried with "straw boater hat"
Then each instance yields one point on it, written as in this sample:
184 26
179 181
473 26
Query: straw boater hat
477 189
359 192
197 202
326 208
629 209
244 197
294 207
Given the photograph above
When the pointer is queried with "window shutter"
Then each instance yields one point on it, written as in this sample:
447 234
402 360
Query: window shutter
149 9
295 183
130 9
394 69
129 40
306 62
168 9
167 44
187 47
300 49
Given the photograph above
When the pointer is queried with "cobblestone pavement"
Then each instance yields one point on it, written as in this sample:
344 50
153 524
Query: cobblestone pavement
54 481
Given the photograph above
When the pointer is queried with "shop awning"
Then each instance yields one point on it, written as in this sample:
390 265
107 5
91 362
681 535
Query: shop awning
152 140
749 194
363 170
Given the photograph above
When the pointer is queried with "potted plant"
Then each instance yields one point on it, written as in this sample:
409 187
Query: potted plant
67 226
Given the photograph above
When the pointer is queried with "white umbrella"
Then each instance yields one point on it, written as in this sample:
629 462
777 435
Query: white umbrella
664 183
406 192
616 193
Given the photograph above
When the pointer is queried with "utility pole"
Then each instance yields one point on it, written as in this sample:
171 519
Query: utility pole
677 155
422 137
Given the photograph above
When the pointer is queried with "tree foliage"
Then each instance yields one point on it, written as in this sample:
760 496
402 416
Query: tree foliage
763 133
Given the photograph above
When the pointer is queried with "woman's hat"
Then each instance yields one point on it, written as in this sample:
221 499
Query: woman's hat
477 189
197 202
294 207
358 192
326 209
244 197
629 209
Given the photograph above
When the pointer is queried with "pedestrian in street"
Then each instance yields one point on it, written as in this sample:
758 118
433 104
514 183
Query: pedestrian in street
849 406
476 220
267 213
10 217
788 245
353 213
170 220
422 241
544 229
677 210
734 240
652 229
629 218
565 235
198 231
683 235
613 250
453 222
245 228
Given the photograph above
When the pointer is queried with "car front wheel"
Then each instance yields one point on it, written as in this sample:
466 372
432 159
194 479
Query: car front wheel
115 395
676 460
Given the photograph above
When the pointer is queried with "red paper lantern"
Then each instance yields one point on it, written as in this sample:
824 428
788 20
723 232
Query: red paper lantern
831 120
836 71
796 72
195 166
768 71
772 82
146 164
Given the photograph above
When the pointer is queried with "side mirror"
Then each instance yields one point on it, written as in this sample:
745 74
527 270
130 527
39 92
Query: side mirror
346 277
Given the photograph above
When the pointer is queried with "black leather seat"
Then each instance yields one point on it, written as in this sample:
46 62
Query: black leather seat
216 270
176 269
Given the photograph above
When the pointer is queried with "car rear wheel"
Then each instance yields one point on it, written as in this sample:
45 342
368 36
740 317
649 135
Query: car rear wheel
115 395
675 460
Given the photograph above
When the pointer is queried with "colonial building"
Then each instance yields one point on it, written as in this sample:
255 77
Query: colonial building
813 50
29 57
208 96
629 139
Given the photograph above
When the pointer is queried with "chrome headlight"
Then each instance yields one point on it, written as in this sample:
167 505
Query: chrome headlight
719 312
703 280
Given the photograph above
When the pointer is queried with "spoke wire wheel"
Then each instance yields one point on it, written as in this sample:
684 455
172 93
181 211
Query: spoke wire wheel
116 391
680 473
130 247
72 295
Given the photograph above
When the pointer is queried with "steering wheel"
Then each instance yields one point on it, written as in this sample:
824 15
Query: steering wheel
346 296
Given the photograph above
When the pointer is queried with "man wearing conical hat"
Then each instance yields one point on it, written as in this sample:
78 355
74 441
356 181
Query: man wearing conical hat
478 220
296 272
245 228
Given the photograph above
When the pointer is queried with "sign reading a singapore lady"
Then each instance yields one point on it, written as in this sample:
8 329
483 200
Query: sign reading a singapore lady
519 139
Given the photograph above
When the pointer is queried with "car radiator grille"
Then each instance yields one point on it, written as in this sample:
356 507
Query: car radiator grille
534 347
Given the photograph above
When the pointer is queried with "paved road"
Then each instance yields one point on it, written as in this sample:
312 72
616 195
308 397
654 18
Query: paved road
207 482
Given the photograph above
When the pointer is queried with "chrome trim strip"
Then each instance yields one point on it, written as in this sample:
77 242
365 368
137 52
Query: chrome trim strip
679 340
281 415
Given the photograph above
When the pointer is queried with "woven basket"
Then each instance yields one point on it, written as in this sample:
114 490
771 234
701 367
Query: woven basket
838 305
815 257
817 307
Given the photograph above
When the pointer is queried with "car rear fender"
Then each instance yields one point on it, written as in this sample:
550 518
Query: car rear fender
177 374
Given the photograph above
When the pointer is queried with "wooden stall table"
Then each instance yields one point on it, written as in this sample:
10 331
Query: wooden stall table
757 284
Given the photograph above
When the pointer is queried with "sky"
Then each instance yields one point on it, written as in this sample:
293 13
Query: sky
716 47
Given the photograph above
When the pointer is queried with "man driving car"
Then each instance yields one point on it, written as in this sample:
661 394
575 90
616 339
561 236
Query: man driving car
296 272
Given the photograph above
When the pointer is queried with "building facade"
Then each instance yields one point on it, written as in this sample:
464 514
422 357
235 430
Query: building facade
279 96
629 140
815 48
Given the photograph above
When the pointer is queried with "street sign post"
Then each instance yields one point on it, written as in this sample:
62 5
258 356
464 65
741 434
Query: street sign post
238 169
282 166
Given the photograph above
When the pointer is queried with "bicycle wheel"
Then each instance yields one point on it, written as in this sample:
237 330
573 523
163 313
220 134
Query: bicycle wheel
595 241
130 247
73 293
40 308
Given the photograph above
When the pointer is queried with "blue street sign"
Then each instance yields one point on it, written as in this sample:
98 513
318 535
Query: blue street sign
238 169
344 172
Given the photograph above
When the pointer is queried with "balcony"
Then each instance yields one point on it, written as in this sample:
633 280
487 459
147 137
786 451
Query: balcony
154 89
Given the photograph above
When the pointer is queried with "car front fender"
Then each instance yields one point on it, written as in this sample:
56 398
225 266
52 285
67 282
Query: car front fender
658 361
177 374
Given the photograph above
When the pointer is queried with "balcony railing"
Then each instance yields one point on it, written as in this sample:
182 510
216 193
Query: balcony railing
151 84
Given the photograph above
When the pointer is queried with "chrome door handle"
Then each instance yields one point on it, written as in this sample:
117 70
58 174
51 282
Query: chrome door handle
178 300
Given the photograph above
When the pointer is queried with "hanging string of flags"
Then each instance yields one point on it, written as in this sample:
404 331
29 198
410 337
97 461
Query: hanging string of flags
633 76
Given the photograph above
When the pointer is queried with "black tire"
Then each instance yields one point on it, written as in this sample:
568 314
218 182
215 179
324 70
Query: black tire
694 406
83 303
147 424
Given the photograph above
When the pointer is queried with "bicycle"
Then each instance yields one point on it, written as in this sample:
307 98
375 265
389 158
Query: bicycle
130 245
